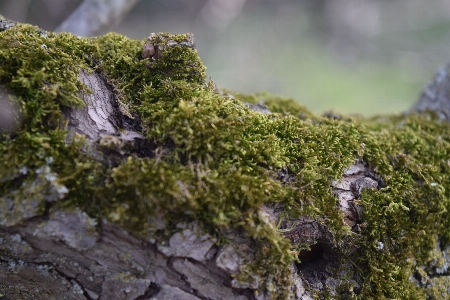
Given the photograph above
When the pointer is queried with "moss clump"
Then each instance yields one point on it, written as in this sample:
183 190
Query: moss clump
217 161
276 104
439 288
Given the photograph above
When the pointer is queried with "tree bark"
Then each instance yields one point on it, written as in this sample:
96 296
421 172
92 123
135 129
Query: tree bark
436 95
66 254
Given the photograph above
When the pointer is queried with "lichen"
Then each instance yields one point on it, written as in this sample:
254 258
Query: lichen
217 162
439 288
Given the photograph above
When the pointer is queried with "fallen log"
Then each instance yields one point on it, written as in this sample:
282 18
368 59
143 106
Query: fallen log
127 174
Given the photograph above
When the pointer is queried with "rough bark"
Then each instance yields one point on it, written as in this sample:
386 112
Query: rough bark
66 254
73 257
436 95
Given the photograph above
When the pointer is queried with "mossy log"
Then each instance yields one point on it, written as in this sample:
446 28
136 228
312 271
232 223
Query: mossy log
126 174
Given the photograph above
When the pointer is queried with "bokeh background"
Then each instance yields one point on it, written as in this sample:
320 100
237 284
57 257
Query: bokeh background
348 56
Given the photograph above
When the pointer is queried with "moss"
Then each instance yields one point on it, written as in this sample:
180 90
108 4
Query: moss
439 288
217 161
276 104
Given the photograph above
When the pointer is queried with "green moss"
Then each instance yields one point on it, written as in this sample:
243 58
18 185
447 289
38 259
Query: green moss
439 288
216 161
276 104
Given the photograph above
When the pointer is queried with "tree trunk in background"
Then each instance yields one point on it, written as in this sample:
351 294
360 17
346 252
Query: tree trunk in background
94 17
436 96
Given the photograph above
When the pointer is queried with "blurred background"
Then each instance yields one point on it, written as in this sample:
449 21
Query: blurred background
348 56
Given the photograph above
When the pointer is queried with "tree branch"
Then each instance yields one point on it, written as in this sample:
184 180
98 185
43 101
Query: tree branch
94 17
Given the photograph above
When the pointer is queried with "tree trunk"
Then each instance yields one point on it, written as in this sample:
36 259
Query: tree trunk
55 247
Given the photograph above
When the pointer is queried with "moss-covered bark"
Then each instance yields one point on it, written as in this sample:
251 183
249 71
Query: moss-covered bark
204 155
